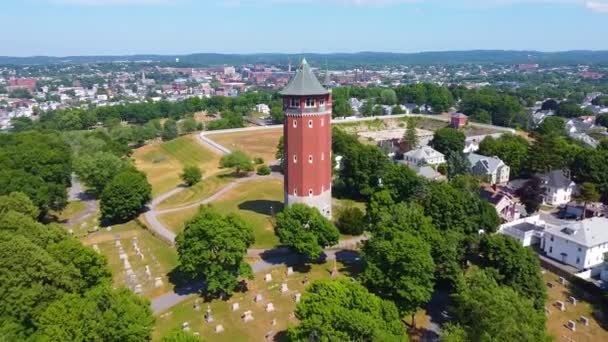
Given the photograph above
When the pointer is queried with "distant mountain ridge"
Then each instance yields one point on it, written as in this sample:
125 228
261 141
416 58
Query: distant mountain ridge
345 59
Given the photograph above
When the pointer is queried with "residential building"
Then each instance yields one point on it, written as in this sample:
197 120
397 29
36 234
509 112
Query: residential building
458 120
529 231
490 169
558 187
580 244
428 173
425 155
502 201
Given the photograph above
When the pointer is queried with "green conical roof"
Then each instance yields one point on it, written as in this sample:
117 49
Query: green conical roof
304 83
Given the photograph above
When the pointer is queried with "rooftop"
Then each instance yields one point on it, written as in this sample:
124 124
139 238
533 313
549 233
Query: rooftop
304 83
590 232
489 163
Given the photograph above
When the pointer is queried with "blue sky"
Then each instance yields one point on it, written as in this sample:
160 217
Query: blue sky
105 27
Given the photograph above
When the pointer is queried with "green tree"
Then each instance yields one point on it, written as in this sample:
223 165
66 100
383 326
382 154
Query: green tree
458 164
343 310
448 140
397 109
188 125
399 269
550 152
388 97
410 138
305 230
341 108
351 220
263 170
97 170
102 314
212 247
170 131
125 196
587 194
531 194
489 312
511 149
191 175
18 202
552 125
517 267
237 160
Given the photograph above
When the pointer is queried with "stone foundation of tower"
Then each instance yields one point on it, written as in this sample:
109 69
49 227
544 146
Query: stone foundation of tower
322 202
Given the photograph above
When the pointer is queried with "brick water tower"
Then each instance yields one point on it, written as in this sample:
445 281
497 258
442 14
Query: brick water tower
307 132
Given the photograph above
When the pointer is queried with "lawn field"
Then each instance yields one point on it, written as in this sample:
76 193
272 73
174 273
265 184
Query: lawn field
251 200
164 162
256 330
557 320
200 191
261 143
160 258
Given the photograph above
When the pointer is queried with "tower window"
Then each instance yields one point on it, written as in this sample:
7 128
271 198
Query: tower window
310 158
310 102
310 123
295 192
322 102
295 123
322 156
294 102
322 122
295 158
310 192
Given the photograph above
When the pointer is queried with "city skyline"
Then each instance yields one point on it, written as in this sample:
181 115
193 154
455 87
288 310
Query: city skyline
127 27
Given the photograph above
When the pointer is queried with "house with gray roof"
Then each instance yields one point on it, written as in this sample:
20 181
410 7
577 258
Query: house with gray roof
580 244
491 169
424 155
558 187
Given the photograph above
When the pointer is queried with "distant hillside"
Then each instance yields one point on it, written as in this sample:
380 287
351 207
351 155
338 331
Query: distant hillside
339 59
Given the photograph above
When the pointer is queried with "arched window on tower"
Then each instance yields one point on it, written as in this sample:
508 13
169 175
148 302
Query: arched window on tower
310 123
295 123
295 192
310 102
310 158
295 158
310 192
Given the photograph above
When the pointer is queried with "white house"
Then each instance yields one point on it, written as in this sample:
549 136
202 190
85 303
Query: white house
558 187
262 108
529 231
425 155
580 244
491 169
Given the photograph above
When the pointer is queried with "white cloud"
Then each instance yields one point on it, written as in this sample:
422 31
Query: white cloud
597 6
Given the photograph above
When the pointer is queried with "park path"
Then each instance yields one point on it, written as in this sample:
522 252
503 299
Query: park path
77 193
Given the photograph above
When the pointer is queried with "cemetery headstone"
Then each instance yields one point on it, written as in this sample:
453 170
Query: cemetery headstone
585 321
284 288
258 298
235 306
208 316
273 322
247 316
269 335
289 270
219 328
560 305
297 297
138 289
96 248
269 307
158 282
572 300
562 280
572 325
268 277
186 326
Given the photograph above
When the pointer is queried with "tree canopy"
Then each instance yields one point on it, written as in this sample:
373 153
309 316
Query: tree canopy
125 196
237 160
305 230
191 175
511 149
343 310
448 141
212 247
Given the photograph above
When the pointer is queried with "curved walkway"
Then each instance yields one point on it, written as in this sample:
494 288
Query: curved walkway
77 193
166 234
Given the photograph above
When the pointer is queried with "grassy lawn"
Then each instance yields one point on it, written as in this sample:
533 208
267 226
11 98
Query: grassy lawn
198 192
163 162
251 200
261 143
72 210
557 320
235 328
157 255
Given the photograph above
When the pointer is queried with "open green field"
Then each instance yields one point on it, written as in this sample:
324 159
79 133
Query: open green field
261 143
200 191
156 254
251 200
256 330
557 320
164 162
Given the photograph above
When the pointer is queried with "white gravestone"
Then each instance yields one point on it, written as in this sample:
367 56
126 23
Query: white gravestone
560 305
258 298
572 325
96 248
138 289
247 316
148 272
118 243
297 297
158 282
235 306
269 307
219 328
572 300
289 270
585 321
268 277
186 326
284 288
